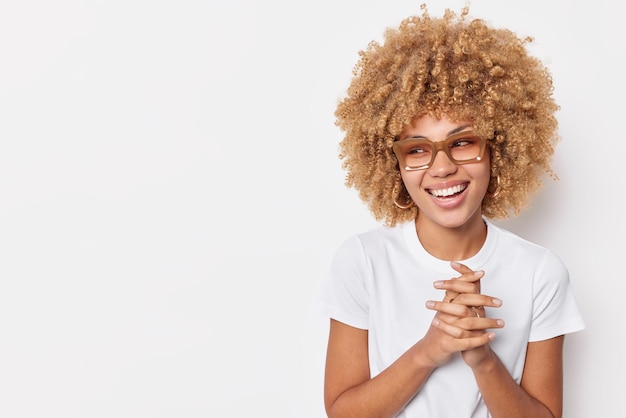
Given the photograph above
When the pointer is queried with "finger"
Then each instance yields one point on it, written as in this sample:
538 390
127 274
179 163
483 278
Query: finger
453 309
464 339
467 274
461 268
455 286
450 312
476 323
476 299
470 323
476 311
446 317
449 296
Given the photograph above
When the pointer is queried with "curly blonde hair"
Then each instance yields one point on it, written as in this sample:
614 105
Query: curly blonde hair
466 70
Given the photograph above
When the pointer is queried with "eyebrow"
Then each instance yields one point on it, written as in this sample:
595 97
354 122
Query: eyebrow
452 132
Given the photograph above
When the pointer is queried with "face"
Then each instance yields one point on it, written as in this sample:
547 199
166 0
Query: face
447 194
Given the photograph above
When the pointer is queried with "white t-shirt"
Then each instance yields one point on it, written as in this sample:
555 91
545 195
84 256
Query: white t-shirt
380 280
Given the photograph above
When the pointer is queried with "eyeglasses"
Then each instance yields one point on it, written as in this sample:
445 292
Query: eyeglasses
419 154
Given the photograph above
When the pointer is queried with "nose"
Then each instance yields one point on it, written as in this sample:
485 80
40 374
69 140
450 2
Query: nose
442 165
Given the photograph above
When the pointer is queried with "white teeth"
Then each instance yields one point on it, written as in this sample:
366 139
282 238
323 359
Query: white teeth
448 192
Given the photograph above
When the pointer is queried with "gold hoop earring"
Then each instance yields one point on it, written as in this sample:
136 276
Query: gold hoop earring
497 191
407 205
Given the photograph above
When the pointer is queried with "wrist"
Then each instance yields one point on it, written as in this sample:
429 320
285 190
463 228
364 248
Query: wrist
422 358
487 364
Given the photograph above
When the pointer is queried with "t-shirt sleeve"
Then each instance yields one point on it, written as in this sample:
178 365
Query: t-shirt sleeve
344 295
555 311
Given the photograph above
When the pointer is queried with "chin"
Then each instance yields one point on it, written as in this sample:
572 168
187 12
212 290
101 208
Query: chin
455 220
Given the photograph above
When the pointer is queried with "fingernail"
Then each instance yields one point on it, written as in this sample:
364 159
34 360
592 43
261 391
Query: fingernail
496 302
455 264
491 335
438 284
430 304
479 273
500 322
435 321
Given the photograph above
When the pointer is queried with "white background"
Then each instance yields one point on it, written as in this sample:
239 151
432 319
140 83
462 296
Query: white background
171 196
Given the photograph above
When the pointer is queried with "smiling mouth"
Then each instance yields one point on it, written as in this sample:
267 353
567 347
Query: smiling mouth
450 191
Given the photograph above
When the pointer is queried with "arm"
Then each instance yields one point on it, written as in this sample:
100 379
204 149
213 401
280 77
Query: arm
541 391
349 390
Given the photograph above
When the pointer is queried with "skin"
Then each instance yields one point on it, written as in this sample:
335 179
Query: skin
457 219
449 229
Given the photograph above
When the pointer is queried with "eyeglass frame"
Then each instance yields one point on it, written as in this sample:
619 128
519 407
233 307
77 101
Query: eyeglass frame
441 146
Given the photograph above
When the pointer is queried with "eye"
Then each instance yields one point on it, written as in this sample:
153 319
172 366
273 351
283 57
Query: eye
416 149
463 142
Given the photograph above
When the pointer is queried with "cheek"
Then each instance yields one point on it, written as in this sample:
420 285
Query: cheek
411 179
483 175
404 176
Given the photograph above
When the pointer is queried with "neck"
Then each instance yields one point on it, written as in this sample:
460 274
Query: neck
452 244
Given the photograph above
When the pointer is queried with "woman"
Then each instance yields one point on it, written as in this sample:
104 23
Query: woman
448 123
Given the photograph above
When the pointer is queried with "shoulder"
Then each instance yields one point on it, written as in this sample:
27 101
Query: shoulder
544 262
515 244
370 247
375 238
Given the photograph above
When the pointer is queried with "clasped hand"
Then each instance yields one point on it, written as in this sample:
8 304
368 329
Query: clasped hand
460 324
